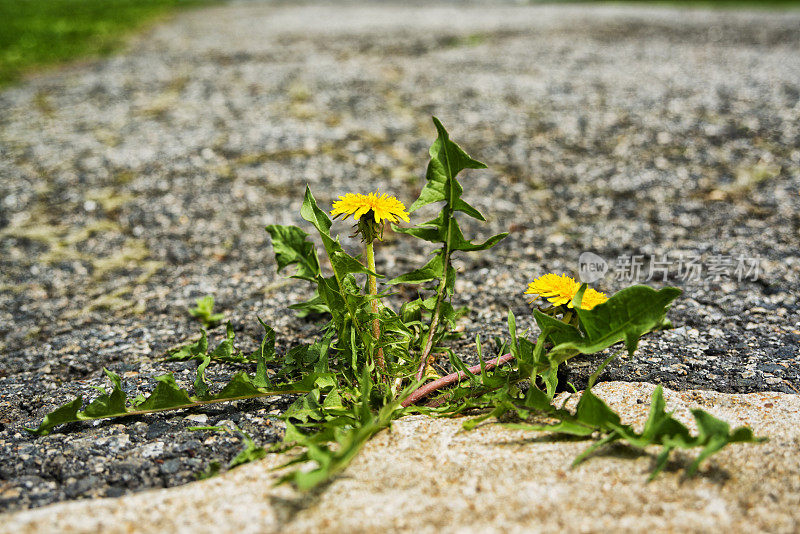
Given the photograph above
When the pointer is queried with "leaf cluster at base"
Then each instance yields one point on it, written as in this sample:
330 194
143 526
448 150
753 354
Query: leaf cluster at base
167 395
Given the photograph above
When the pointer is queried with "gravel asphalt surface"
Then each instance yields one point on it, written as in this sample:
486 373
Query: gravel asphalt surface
134 184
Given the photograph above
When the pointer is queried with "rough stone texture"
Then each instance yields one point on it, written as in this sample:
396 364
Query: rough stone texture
427 475
132 185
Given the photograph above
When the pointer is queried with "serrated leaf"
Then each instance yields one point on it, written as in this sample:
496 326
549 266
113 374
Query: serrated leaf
660 423
593 411
537 399
305 408
436 231
327 461
319 219
345 264
433 270
433 231
333 400
458 242
315 306
292 247
224 352
166 395
239 386
447 160
108 403
64 414
662 429
190 351
626 316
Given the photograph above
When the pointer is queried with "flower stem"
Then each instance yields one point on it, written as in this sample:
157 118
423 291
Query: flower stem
426 351
373 290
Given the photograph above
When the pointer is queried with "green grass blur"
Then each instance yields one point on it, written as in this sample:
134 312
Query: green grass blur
35 33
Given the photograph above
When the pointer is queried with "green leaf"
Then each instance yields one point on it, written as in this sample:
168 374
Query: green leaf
292 247
447 160
166 395
326 462
593 411
557 331
190 351
305 408
433 231
626 316
433 270
345 264
660 424
239 386
605 440
113 403
459 365
200 384
65 414
660 463
226 351
204 311
436 231
333 400
458 242
315 306
250 453
537 399
317 217
562 427
264 354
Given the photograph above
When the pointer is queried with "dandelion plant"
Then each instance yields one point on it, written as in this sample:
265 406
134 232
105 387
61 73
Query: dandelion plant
370 211
370 363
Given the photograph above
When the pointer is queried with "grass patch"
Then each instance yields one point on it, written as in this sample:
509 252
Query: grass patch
36 33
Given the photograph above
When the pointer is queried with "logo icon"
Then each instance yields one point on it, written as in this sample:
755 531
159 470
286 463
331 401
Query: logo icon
591 267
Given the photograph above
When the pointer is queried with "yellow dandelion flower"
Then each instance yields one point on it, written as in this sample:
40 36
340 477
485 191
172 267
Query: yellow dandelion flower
557 289
382 206
591 298
561 289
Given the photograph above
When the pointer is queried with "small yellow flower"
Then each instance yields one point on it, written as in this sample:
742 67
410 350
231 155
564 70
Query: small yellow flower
382 207
561 289
592 298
